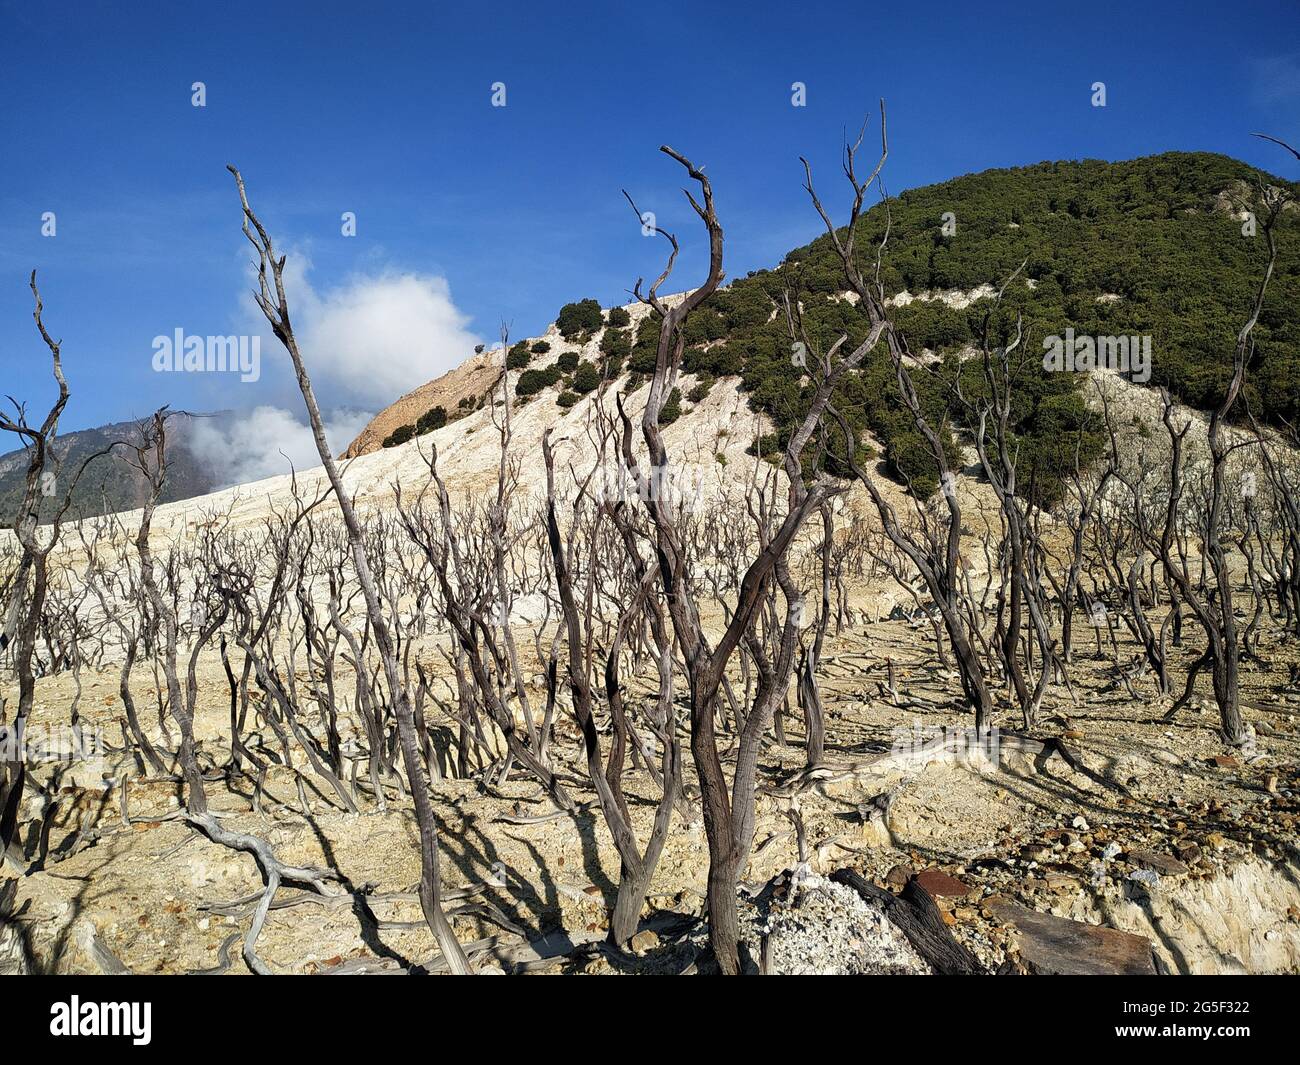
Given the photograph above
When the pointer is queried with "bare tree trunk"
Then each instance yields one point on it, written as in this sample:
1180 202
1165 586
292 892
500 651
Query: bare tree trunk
275 307
937 561
1217 615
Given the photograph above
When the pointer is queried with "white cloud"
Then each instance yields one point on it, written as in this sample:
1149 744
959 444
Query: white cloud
267 442
366 342
374 337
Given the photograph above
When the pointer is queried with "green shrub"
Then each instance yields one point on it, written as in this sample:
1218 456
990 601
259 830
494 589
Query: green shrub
582 317
586 379
672 409
533 381
541 347
567 362
618 318
567 399
430 420
701 389
721 360
400 435
518 357
530 383
616 342
645 347
704 325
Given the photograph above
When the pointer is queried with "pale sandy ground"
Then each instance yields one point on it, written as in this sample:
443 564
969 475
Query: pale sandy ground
147 891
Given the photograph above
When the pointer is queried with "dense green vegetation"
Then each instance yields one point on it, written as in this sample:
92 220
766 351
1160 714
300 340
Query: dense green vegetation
433 418
1160 238
533 381
1152 246
703 386
672 408
400 435
1158 232
518 356
586 379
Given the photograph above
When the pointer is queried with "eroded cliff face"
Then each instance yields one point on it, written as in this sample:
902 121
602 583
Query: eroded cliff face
1244 920
470 380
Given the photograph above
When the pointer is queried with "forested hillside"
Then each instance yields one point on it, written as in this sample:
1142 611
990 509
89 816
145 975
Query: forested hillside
1157 247
1163 234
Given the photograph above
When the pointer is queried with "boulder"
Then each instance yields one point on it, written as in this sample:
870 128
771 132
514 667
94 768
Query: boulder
938 884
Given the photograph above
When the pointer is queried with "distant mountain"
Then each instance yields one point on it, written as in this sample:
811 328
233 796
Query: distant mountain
109 484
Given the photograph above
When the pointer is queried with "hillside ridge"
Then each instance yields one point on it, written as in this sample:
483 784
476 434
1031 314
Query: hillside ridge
1152 246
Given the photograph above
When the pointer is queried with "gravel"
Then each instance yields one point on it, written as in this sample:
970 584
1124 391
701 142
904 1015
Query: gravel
824 928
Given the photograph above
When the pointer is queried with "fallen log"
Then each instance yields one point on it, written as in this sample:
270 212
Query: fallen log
915 915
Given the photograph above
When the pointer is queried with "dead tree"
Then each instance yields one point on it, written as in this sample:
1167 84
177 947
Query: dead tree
151 461
638 864
935 555
810 699
271 298
473 619
1216 612
728 811
102 579
1024 592
29 583
1283 474
1089 495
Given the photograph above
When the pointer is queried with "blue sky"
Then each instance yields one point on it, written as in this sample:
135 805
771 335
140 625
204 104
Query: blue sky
481 213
